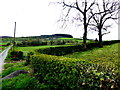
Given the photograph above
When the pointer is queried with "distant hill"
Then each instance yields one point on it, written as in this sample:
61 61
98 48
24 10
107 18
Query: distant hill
45 36
53 36
5 37
63 35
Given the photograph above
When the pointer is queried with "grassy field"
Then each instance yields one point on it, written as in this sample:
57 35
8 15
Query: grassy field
1 43
107 55
32 48
3 48
74 39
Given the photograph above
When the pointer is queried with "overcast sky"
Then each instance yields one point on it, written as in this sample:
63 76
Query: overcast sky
37 17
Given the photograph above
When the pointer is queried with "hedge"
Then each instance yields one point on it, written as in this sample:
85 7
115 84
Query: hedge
59 51
64 50
16 55
55 72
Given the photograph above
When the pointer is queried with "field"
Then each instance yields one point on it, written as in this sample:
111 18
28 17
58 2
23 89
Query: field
107 55
95 68
33 48
3 46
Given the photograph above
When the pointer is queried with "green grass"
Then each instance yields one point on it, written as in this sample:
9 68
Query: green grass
21 82
32 48
107 55
11 67
2 48
74 39
3 43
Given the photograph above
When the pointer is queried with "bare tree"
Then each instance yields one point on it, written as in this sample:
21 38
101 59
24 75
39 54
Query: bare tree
83 8
105 11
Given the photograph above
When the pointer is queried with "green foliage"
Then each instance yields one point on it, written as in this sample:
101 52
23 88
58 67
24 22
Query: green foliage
63 50
16 55
7 65
40 42
33 48
59 51
8 44
66 73
20 82
28 57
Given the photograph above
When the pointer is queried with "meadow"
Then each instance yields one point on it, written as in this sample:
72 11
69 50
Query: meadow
107 55
3 46
33 48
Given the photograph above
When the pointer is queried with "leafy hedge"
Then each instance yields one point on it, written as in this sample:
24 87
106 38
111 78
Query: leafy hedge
59 51
16 55
65 73
64 50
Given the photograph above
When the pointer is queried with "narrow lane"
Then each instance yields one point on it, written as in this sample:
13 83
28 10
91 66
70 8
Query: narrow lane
3 55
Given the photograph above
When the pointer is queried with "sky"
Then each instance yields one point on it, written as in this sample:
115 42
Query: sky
38 17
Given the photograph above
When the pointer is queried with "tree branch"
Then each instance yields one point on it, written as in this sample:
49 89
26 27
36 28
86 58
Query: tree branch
91 5
105 33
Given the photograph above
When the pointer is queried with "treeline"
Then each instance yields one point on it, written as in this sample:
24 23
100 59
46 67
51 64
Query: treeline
45 42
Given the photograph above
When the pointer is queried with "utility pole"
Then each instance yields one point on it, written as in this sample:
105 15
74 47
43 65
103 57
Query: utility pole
14 37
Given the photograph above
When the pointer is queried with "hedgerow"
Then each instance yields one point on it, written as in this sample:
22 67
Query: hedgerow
16 55
59 51
64 50
66 73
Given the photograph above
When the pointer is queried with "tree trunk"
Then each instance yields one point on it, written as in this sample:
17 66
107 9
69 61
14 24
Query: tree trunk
100 38
84 39
85 32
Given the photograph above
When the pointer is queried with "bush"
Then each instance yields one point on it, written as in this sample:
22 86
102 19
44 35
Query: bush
59 51
16 55
64 50
28 57
8 44
65 73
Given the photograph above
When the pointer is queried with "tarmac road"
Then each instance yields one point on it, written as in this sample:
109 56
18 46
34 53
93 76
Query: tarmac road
3 55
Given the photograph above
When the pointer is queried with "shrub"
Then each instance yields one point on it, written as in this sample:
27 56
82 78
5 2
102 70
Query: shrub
16 55
28 57
8 44
65 73
63 50
59 51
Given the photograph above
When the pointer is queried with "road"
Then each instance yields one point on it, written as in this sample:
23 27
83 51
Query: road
3 55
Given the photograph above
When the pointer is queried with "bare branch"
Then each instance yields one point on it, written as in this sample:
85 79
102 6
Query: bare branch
77 7
91 5
105 33
71 6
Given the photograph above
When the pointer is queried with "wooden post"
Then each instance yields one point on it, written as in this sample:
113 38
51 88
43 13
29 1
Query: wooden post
14 37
